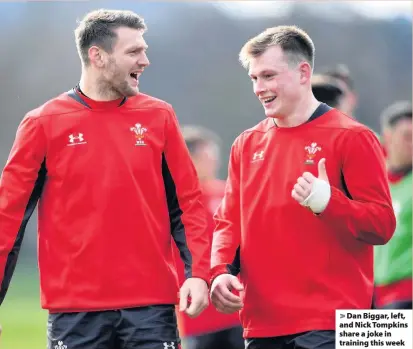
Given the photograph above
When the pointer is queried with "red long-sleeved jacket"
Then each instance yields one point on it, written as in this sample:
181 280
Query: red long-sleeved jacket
210 319
297 267
116 184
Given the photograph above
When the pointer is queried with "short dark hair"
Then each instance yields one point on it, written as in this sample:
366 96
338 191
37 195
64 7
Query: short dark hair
395 112
98 28
327 90
197 136
341 72
295 43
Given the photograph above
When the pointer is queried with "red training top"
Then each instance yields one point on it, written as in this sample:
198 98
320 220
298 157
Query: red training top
116 183
210 319
298 267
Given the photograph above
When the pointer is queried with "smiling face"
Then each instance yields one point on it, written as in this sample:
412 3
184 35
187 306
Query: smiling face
122 67
278 85
112 50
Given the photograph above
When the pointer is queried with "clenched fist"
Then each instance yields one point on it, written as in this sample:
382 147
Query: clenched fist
221 296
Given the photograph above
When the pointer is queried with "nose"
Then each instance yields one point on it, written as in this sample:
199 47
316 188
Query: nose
143 60
259 87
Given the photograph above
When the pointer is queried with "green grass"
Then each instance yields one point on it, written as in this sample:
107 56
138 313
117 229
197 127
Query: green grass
21 317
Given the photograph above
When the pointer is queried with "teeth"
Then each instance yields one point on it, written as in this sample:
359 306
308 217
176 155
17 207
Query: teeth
269 99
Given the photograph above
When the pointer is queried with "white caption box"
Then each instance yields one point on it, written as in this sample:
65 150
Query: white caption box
357 329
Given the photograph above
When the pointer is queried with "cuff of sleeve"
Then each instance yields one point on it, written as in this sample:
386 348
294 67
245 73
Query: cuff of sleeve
334 204
218 270
337 210
204 277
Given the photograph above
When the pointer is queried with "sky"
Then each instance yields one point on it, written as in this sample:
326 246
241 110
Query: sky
373 9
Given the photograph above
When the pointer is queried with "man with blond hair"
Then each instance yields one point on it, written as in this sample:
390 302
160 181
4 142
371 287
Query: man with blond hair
306 199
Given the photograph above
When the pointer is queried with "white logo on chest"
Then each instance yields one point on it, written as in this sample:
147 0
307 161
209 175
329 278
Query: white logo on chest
76 139
139 134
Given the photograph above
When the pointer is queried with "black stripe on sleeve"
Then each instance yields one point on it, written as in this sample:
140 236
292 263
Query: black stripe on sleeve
175 218
14 253
346 191
235 267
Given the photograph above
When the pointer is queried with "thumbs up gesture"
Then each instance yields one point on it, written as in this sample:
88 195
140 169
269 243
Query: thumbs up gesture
313 192
322 172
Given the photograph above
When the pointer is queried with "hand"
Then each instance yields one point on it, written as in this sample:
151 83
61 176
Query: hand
197 289
221 296
311 191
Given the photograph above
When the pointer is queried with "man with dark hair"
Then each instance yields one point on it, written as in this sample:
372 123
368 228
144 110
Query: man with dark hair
335 87
349 99
210 330
205 148
327 90
115 184
393 262
306 199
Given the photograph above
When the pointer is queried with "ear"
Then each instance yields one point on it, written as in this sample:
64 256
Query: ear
97 56
386 136
305 72
354 99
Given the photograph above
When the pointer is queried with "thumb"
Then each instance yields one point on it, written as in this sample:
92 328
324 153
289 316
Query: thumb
183 298
322 172
236 284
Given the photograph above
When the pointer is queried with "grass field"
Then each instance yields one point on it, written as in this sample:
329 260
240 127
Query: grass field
21 317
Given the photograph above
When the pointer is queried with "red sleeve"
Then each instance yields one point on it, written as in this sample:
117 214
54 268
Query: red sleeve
187 213
368 213
20 189
227 235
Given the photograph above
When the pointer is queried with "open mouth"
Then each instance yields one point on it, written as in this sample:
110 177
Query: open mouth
269 99
134 76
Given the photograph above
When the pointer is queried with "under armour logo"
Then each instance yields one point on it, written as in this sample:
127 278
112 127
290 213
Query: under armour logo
60 345
75 139
170 345
258 156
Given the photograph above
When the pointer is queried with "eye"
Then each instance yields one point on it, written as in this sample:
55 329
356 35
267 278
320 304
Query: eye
137 51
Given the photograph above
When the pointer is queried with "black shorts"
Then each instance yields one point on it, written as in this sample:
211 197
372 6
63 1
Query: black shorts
152 327
230 338
306 340
399 305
